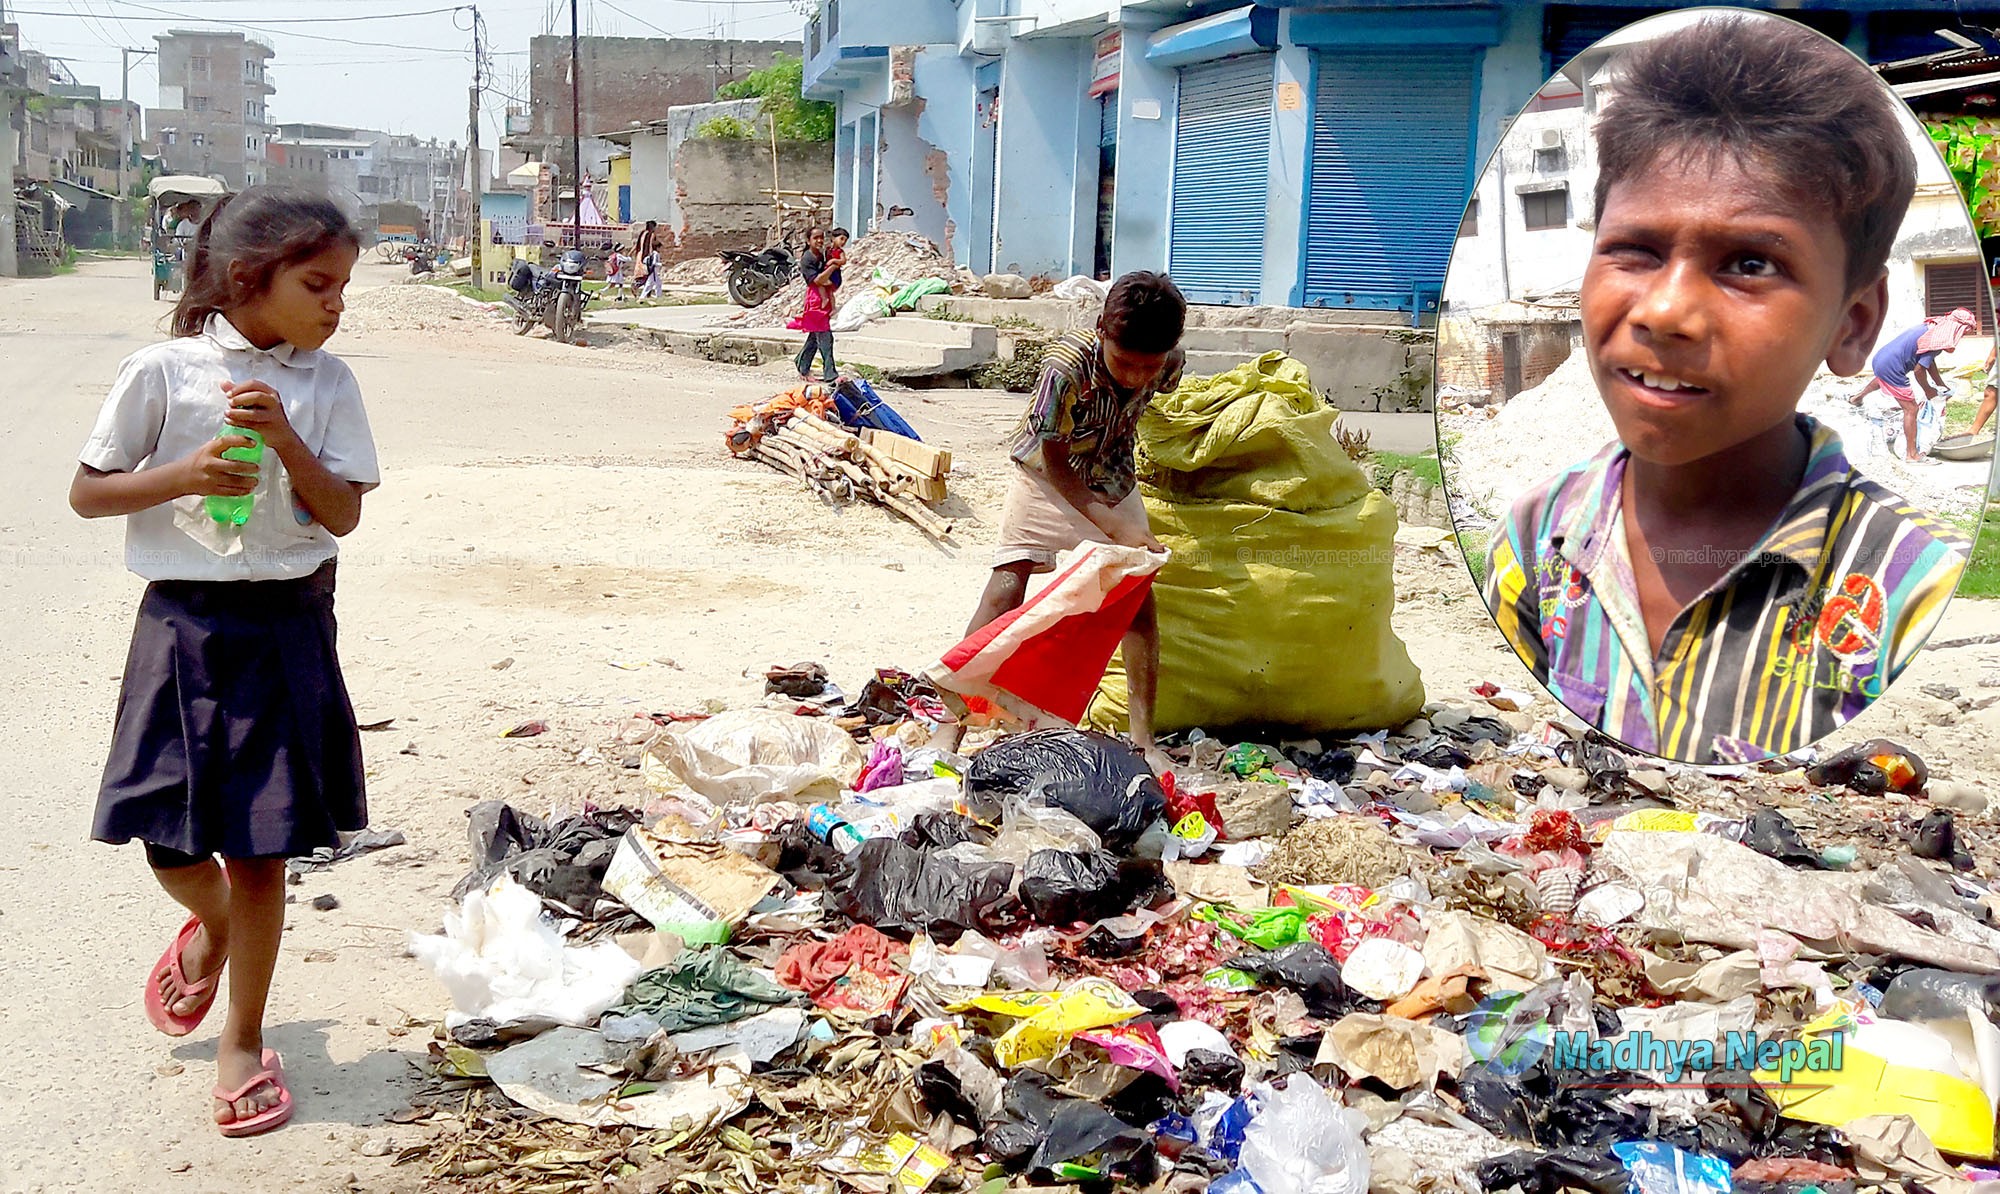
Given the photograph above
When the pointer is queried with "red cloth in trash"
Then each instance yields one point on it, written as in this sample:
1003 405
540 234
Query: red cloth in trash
1790 1169
1059 670
814 966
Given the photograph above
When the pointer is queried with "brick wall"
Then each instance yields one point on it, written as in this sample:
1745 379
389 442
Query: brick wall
627 79
1472 353
720 189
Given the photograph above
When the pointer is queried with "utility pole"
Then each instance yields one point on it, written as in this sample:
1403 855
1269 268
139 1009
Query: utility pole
475 167
124 137
575 126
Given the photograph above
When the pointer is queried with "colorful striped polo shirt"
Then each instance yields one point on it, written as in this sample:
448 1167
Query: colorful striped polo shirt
1804 632
1078 402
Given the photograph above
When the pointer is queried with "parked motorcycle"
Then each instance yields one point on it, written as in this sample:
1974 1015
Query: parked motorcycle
554 298
755 277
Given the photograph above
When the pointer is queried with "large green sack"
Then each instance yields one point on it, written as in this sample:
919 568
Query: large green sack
1274 611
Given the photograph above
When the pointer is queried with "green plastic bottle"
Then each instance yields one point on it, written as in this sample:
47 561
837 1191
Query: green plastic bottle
235 511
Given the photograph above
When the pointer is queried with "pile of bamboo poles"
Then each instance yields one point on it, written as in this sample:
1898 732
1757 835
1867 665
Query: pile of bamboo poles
836 465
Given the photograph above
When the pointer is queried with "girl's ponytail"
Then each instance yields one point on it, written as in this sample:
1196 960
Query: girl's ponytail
246 240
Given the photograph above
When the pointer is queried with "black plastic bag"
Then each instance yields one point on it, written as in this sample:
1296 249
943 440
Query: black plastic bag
1855 768
905 891
1309 969
1771 833
1554 1172
1937 839
1219 1071
563 862
806 860
1770 1134
1103 782
941 831
1079 1130
1061 887
1333 767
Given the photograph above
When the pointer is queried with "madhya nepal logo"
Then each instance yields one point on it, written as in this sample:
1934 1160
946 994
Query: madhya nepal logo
1510 1036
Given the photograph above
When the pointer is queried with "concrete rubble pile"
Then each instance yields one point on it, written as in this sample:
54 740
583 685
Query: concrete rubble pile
1476 952
902 257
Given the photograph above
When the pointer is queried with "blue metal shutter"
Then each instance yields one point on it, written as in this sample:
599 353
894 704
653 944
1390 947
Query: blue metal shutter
1222 149
1391 170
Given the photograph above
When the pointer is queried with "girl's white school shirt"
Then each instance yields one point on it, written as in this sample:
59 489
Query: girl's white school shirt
168 402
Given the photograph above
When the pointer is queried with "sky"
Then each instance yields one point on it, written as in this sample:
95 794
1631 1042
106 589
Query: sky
354 63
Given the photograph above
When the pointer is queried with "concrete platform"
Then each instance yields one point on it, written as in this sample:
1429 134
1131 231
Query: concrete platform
904 346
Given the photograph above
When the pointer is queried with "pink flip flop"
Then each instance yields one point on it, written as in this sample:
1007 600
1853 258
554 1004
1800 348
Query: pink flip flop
271 1117
157 1011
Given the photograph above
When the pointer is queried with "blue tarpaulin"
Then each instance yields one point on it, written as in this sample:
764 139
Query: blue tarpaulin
860 406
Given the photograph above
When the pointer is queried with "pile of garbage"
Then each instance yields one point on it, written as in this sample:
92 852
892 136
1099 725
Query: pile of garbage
891 261
1475 953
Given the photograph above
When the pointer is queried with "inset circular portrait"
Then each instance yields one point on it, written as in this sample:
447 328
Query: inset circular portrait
1712 367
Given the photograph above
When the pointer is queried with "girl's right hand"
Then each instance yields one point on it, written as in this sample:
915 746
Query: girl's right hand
208 474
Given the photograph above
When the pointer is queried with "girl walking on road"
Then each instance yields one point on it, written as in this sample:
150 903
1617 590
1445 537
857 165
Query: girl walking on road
820 267
235 745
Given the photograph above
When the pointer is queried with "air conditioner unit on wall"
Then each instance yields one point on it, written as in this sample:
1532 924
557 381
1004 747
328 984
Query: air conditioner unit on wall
1545 139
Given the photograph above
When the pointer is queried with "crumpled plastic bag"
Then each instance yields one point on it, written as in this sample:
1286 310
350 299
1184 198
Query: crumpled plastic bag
501 961
1552 1173
1307 968
1302 1142
1103 782
1059 887
1401 1053
1045 1021
861 310
702 987
749 756
1080 289
905 890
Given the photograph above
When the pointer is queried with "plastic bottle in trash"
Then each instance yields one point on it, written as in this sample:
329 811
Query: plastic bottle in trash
235 511
827 825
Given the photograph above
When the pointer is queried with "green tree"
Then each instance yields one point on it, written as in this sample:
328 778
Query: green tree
781 86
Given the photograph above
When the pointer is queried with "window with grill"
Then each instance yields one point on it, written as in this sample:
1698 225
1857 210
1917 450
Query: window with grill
1545 209
1949 286
198 67
197 103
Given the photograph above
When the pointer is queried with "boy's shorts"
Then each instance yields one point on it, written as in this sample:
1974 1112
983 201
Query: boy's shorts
1037 524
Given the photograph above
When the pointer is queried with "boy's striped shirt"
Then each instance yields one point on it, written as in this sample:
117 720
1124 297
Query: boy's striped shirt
1076 401
1801 634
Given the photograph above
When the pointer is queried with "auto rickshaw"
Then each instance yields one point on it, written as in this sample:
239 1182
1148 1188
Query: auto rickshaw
167 195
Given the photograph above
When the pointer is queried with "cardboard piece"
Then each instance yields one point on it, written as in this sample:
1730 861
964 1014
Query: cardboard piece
694 889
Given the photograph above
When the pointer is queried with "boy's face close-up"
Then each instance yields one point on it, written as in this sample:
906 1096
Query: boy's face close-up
1711 298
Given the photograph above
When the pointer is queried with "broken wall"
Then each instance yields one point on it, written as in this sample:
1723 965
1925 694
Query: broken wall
1472 352
720 187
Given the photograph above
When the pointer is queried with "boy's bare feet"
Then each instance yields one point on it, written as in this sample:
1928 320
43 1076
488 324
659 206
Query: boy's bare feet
236 1065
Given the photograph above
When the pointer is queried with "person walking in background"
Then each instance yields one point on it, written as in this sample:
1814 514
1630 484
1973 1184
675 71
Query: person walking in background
647 251
818 267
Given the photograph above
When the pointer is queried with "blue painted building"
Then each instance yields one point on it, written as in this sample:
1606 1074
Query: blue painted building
1281 152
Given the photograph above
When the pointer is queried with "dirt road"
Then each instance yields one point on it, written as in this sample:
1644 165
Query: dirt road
564 509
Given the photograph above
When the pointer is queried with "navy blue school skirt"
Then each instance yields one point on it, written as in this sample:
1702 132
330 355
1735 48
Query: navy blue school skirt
235 734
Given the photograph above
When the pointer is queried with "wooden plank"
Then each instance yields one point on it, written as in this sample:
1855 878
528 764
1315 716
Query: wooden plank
921 457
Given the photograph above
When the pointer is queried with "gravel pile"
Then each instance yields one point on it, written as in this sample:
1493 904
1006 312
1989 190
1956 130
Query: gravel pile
410 308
